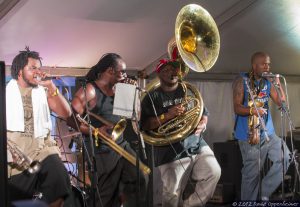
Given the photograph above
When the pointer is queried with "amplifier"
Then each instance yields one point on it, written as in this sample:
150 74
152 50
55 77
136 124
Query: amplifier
224 193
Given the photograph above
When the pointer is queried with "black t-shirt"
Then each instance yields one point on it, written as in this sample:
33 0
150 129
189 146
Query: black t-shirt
104 108
162 101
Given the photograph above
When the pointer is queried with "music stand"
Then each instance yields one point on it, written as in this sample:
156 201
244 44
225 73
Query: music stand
125 104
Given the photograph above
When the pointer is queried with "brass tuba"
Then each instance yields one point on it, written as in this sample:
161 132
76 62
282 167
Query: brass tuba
198 43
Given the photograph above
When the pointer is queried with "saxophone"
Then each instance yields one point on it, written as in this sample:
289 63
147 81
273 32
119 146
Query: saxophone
22 160
254 124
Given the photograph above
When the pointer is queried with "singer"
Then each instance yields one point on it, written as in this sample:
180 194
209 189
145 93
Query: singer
263 90
28 102
185 163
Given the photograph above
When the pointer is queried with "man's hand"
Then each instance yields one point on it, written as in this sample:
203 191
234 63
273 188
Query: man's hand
259 110
105 130
176 110
10 157
200 128
41 79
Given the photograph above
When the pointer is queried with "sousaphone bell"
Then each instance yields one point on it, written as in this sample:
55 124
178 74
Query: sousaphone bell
197 42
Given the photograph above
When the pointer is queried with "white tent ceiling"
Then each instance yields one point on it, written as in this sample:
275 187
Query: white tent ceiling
76 33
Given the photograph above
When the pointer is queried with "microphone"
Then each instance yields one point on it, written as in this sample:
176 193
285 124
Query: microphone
270 75
141 89
39 78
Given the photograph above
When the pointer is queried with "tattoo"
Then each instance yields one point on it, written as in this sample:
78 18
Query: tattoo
238 90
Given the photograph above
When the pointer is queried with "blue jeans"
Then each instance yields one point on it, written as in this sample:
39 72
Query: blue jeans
250 171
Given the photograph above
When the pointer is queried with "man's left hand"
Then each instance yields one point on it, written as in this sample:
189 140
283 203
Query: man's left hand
200 128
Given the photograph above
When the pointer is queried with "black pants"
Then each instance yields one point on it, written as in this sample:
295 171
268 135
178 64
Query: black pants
117 179
52 182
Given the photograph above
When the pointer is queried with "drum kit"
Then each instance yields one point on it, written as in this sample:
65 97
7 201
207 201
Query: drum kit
70 144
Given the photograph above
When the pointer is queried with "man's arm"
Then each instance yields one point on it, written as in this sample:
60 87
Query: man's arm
277 98
202 125
79 102
57 102
238 97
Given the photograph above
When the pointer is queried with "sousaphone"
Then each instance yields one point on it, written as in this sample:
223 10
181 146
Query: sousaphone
196 45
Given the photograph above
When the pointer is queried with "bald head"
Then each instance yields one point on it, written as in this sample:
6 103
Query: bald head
260 62
257 56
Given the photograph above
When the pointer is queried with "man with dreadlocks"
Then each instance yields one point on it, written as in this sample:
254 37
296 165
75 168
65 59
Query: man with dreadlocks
112 169
28 99
269 146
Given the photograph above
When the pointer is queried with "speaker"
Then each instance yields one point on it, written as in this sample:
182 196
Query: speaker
229 157
224 193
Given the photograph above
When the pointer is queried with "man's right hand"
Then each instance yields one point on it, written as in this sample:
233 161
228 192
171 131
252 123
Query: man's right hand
105 131
259 110
176 110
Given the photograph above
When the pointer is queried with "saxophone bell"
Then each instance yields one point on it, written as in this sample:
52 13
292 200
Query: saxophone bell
21 160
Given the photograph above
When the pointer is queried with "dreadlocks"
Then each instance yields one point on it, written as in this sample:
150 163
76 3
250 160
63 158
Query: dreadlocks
106 61
21 60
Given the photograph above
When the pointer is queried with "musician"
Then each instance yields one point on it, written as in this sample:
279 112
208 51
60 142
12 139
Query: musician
29 100
112 168
189 170
270 147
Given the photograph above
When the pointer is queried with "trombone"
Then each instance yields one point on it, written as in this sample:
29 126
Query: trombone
118 128
107 140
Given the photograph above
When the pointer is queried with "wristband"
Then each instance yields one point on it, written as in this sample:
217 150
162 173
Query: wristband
96 133
55 93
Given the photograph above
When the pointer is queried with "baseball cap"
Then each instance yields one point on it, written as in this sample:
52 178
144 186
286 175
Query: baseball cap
163 62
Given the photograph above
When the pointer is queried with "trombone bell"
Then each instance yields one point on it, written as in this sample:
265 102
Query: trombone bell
118 129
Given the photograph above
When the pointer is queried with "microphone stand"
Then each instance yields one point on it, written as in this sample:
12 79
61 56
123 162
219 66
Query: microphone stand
140 145
263 127
91 163
84 150
284 113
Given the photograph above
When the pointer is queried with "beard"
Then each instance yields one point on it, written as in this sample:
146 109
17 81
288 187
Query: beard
33 85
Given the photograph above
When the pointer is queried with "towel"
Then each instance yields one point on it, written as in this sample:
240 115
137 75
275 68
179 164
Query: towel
15 112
